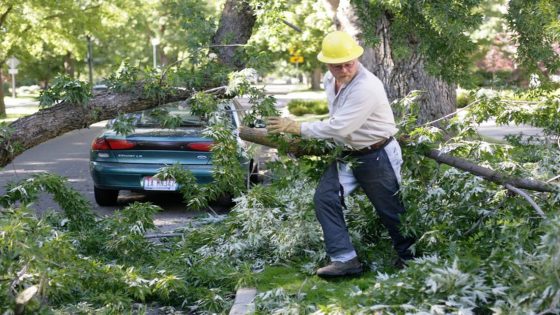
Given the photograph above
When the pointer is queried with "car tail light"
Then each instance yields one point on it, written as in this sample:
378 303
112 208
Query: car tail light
118 144
100 144
111 144
200 146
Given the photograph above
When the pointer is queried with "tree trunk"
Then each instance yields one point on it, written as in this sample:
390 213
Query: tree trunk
400 76
235 29
316 78
2 104
69 66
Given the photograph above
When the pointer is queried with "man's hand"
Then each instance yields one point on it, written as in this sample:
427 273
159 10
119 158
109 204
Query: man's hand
279 124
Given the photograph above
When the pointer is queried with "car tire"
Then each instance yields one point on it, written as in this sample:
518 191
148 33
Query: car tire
105 197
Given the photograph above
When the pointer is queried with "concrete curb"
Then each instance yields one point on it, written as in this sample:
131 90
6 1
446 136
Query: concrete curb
244 302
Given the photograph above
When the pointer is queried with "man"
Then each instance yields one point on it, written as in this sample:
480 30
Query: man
361 119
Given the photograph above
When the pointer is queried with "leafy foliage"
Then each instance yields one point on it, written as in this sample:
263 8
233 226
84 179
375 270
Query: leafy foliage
124 79
5 134
123 124
274 40
538 33
241 83
65 89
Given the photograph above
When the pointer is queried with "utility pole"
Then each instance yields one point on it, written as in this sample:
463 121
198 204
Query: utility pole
90 59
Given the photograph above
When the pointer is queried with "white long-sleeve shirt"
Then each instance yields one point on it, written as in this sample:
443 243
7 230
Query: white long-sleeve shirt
359 114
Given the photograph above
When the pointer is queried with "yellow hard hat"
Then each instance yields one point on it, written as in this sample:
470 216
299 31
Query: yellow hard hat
339 47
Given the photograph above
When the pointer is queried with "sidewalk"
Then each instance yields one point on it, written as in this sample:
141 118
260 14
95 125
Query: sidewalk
16 107
490 129
292 91
20 102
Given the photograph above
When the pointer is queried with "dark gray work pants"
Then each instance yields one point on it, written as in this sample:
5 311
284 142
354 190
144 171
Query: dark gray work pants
375 175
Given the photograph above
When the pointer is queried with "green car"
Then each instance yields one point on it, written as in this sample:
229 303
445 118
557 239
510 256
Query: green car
130 162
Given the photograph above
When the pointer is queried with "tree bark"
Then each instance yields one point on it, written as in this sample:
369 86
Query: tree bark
69 66
400 76
235 29
316 78
260 136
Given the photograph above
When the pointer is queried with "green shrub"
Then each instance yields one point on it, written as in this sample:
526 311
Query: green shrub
301 107
464 98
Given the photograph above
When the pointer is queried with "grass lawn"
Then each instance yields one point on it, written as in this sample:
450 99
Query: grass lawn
13 113
299 282
23 105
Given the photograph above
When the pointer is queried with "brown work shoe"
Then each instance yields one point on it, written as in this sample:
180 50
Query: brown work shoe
352 267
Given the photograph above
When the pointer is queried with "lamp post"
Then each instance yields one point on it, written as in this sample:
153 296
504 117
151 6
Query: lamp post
155 42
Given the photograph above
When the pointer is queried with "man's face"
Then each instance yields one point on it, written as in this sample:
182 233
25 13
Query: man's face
343 72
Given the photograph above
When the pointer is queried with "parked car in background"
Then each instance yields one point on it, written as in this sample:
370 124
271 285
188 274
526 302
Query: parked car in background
130 162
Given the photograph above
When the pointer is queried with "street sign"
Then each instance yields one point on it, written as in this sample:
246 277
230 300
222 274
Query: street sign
12 62
296 59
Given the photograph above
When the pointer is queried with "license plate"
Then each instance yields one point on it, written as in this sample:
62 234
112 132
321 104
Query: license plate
152 183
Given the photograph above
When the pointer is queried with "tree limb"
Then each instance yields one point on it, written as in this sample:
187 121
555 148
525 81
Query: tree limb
5 15
260 136
487 173
528 198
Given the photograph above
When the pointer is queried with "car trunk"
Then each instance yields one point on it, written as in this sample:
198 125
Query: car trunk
184 146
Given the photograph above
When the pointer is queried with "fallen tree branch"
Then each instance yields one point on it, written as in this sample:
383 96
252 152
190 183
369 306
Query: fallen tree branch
51 122
527 197
553 179
260 136
487 173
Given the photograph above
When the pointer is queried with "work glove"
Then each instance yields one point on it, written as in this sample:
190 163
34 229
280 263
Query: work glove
280 124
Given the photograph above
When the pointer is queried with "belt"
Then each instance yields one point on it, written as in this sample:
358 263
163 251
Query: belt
376 146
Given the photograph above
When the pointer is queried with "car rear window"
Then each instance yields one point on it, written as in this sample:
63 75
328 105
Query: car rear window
182 111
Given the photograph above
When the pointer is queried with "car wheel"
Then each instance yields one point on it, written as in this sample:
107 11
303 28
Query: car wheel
105 197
